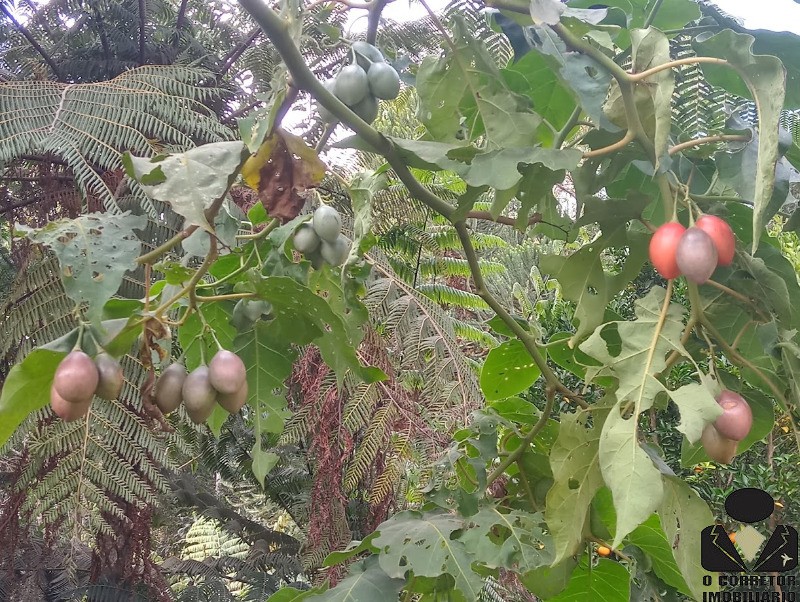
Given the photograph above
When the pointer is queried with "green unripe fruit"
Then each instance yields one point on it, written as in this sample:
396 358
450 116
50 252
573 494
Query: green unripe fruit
316 259
76 378
169 388
199 397
327 223
67 410
384 81
234 402
305 239
366 54
227 372
324 113
351 85
109 384
336 253
367 109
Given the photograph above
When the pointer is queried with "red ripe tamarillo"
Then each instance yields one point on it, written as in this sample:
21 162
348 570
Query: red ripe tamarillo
737 418
696 255
663 245
76 377
226 372
68 410
719 448
722 235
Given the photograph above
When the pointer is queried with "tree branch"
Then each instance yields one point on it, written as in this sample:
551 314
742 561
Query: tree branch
553 383
237 52
374 19
32 41
708 140
180 21
142 24
535 218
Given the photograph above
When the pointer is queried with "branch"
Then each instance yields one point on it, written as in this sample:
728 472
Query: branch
553 383
278 33
562 134
535 218
234 54
32 41
635 77
374 19
179 22
607 150
151 256
524 442
708 140
142 24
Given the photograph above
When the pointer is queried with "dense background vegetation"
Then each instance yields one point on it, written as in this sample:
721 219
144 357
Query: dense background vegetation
497 372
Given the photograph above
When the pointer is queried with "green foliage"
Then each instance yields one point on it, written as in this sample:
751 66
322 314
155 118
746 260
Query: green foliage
479 409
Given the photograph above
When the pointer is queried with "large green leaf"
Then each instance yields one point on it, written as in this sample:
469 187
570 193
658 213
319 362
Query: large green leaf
302 317
367 583
508 370
465 84
584 279
650 538
27 389
650 49
425 545
576 472
588 80
533 76
189 182
683 516
637 356
268 356
763 78
609 581
512 540
94 252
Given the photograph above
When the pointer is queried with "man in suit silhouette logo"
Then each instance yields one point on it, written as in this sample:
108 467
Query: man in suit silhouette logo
719 554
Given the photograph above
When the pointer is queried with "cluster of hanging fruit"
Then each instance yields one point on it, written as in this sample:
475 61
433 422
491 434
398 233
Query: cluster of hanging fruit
79 378
321 239
223 382
359 85
694 252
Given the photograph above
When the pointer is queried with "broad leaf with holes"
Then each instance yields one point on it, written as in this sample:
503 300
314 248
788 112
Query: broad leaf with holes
425 545
94 252
189 182
509 369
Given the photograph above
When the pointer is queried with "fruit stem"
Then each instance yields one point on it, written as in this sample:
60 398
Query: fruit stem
262 233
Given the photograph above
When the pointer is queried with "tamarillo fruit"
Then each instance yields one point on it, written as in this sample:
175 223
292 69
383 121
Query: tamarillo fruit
169 388
696 255
722 235
110 381
662 249
199 396
737 418
719 448
227 372
76 377
233 402
68 410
